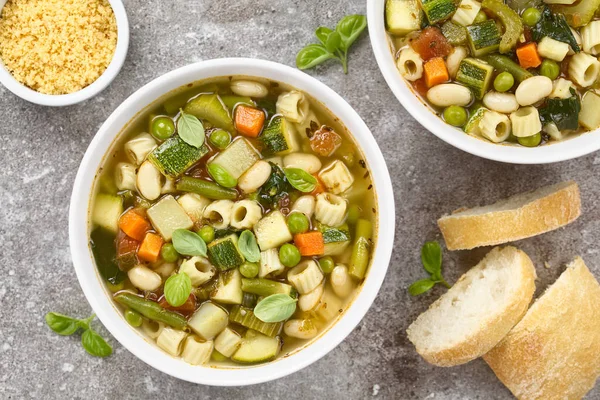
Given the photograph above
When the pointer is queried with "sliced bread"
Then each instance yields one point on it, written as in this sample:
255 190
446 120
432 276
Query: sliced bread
518 217
478 311
554 352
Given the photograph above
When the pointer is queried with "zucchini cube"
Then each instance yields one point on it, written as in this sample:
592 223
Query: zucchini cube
229 288
475 74
336 239
174 156
224 253
484 37
438 10
237 158
167 216
279 137
402 16
272 231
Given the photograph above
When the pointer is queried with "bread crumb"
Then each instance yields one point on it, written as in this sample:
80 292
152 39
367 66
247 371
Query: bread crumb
57 46
547 265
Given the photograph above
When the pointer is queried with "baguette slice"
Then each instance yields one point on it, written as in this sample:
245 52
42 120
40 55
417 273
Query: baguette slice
554 352
478 311
518 217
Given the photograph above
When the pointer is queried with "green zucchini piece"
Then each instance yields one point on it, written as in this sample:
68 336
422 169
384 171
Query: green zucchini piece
475 74
336 239
513 25
455 33
224 253
245 317
229 288
484 38
279 137
266 287
402 16
504 63
438 10
107 210
231 100
472 125
256 348
174 156
102 243
211 108
237 158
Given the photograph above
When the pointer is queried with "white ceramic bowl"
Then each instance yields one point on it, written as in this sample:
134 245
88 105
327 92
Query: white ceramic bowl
558 151
8 81
98 295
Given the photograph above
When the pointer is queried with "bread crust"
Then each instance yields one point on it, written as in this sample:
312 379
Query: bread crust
540 215
554 352
490 333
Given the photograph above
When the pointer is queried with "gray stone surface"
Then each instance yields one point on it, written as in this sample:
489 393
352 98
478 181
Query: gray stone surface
40 150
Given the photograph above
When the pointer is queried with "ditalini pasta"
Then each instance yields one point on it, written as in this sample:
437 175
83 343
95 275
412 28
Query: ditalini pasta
525 122
590 37
584 69
410 64
204 240
495 126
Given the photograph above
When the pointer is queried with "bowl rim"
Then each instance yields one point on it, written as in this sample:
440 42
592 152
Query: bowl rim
111 72
95 290
564 150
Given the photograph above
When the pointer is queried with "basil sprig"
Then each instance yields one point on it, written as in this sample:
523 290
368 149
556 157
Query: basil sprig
275 308
300 179
431 257
188 243
177 289
91 341
190 130
334 43
248 246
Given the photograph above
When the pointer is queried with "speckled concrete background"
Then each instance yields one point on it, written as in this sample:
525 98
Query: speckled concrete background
40 150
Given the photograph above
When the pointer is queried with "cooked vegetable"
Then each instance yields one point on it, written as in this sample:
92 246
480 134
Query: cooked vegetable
504 63
531 16
245 317
530 141
550 69
533 90
455 33
150 247
249 121
528 56
272 231
504 81
484 37
127 253
229 288
103 248
475 74
167 216
224 253
231 100
554 26
265 287
361 250
279 137
210 108
151 310
578 14
220 138
455 116
552 49
438 10
402 16
431 43
466 13
564 113
289 255
106 211
205 188
256 348
310 243
174 156
513 26
208 321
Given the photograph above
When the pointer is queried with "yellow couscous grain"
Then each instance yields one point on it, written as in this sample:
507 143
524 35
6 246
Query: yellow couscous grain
57 46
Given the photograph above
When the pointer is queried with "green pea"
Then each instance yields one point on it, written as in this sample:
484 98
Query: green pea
289 255
531 141
531 16
133 318
455 115
249 270
326 264
550 68
220 139
480 17
504 81
207 233
297 223
162 128
353 214
168 253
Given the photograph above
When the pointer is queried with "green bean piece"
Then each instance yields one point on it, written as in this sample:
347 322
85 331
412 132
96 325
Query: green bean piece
550 68
289 255
168 253
327 264
249 270
359 260
249 300
455 116
531 141
220 139
531 16
264 287
504 63
133 318
207 233
162 128
480 17
297 223
207 189
504 81
151 310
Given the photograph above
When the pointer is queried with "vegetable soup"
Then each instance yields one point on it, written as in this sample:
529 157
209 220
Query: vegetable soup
233 221
521 72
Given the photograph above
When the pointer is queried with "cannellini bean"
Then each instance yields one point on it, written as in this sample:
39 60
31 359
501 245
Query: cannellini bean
249 88
255 177
308 301
304 204
532 90
501 102
144 278
149 181
454 59
300 328
341 282
165 269
308 162
449 94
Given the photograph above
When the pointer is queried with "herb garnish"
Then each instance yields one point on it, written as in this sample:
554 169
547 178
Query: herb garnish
275 308
248 246
177 289
190 130
188 243
431 257
91 341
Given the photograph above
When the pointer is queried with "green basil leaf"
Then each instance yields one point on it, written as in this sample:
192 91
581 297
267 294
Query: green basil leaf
333 42
420 287
431 257
300 179
190 130
312 55
62 324
275 308
95 344
248 246
221 176
349 28
177 289
188 243
322 33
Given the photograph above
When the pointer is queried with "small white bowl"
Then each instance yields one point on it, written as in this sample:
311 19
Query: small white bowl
95 290
554 152
24 92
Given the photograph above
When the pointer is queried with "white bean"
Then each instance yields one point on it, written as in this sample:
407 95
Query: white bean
249 88
304 204
144 278
300 328
501 102
454 59
255 177
149 181
532 90
308 162
341 282
449 94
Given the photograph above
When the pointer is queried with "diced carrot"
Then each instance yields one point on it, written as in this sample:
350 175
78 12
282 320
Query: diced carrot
320 188
249 121
150 248
431 43
310 243
134 225
435 72
528 56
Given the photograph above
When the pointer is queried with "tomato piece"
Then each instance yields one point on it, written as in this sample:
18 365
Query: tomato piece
420 86
431 43
325 141
126 251
185 309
